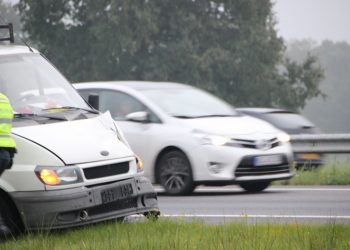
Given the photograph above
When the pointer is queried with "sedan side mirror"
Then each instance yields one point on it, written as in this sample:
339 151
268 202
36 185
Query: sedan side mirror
140 116
94 101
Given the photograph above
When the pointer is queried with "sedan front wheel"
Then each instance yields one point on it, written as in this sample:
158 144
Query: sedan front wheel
175 173
254 187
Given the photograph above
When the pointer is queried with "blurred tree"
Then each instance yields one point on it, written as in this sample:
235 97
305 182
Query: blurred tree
331 114
227 47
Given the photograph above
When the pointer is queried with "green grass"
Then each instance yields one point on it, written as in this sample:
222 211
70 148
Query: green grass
166 234
331 174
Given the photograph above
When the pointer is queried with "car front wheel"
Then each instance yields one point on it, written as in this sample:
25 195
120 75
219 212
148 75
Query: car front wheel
175 173
10 224
254 187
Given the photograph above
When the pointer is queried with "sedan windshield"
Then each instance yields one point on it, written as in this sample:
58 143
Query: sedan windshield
189 103
33 85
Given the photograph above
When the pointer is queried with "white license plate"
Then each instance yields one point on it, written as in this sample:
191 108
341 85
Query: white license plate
264 160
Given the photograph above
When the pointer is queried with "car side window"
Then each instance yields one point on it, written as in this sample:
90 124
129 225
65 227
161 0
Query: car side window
85 93
118 103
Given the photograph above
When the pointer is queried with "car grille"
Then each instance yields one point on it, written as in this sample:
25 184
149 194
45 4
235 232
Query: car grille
113 206
256 144
247 168
106 170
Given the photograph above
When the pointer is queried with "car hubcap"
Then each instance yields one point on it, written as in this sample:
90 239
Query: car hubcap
174 173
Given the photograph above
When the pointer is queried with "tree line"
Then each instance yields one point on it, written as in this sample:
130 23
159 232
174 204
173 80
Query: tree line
331 110
228 47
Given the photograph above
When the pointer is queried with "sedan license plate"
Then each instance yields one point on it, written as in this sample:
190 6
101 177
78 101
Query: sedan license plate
116 193
264 160
310 156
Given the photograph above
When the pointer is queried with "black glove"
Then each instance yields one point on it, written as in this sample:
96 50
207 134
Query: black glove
5 160
4 164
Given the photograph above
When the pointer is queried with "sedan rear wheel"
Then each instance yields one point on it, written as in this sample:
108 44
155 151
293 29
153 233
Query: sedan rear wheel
254 187
175 173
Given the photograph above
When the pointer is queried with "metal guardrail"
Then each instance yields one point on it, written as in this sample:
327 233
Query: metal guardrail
321 143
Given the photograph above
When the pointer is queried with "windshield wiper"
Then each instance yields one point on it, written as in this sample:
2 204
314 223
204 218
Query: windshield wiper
184 116
64 108
29 115
201 116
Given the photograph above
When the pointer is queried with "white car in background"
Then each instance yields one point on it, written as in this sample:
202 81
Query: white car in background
187 137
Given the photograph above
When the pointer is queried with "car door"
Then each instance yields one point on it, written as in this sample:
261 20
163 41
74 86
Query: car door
143 137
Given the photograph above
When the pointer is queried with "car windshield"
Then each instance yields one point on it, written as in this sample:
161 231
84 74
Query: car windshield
189 103
288 120
33 85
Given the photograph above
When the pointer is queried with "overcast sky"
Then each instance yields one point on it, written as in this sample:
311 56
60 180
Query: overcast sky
316 19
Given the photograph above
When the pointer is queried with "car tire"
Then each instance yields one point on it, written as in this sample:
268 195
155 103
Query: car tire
152 215
175 174
255 187
120 219
10 224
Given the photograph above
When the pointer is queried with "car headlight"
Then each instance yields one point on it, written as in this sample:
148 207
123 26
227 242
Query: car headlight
216 140
283 137
139 164
54 176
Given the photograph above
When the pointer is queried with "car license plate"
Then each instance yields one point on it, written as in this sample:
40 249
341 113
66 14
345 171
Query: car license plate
264 160
310 156
116 193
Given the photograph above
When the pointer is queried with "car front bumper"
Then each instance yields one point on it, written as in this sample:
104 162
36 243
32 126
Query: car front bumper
42 210
230 165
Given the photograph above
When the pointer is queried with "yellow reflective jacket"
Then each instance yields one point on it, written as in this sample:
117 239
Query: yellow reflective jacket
6 117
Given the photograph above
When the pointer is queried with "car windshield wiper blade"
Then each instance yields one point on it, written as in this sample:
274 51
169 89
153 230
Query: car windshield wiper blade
29 115
64 108
204 116
201 116
184 116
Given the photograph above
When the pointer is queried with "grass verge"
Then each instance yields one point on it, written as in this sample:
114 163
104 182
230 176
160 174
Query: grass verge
330 174
166 234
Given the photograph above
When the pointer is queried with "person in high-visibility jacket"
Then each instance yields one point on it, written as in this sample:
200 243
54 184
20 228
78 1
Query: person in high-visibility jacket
7 144
7 151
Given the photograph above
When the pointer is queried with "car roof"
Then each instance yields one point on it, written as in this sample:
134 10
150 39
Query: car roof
142 85
293 125
10 49
256 110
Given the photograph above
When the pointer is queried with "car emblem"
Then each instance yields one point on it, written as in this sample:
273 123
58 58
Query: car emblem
104 153
262 144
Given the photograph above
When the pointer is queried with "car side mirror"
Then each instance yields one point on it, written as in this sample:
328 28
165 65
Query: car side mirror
140 116
94 101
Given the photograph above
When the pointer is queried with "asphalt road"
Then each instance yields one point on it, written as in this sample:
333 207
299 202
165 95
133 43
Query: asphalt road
296 204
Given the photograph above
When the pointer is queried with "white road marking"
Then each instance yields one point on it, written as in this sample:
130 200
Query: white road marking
307 189
247 216
220 189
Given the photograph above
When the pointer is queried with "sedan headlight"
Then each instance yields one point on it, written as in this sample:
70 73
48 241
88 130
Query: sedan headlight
283 137
216 140
54 176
